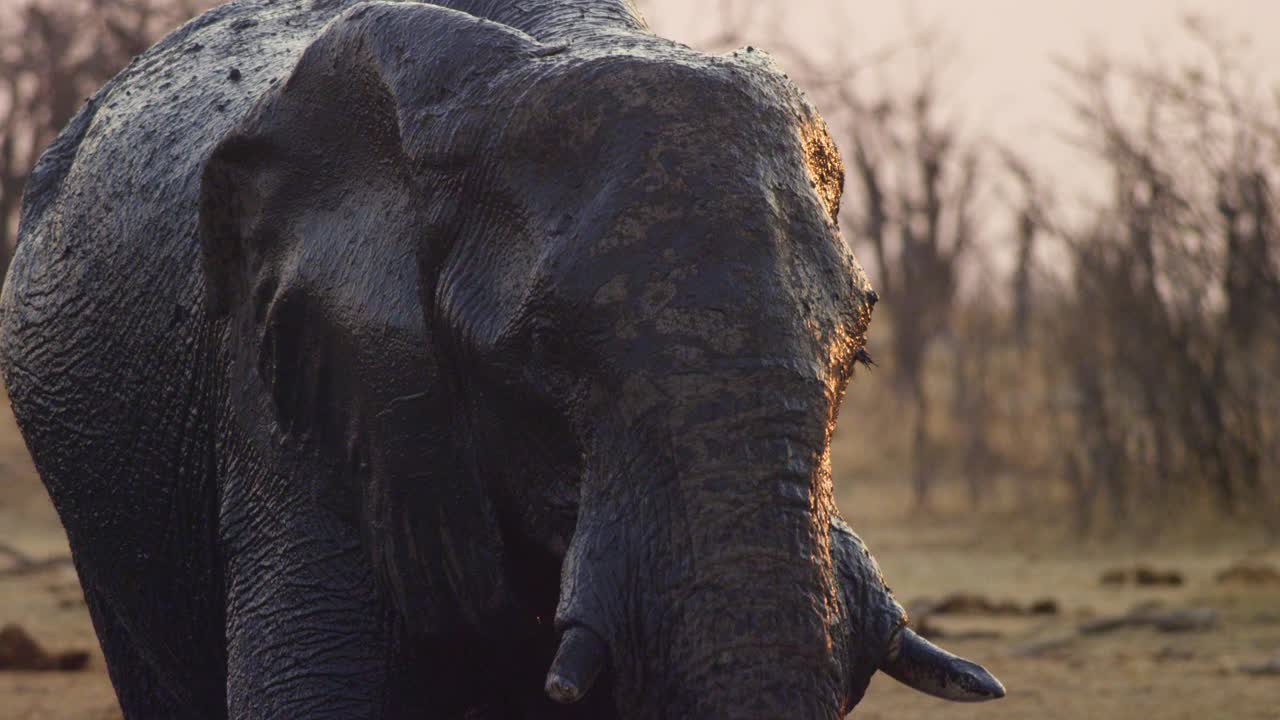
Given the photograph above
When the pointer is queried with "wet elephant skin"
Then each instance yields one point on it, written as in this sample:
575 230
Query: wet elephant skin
366 348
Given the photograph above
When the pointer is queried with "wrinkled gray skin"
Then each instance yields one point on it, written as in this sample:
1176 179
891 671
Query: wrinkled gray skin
366 349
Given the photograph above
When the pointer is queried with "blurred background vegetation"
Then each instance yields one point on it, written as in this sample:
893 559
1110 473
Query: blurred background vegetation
1104 364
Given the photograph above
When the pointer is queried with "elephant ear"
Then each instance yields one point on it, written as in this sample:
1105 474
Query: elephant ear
314 214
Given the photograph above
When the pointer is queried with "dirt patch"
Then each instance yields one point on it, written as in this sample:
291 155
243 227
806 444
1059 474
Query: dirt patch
1250 574
1169 621
963 603
1270 667
1142 576
20 651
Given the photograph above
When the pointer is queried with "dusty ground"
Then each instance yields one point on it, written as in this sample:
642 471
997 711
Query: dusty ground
1051 670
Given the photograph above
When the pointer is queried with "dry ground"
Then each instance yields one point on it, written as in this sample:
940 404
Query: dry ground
1050 669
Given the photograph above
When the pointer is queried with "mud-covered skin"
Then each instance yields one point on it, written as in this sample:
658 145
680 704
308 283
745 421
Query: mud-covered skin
363 349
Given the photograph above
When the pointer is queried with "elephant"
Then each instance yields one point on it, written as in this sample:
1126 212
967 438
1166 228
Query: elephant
472 359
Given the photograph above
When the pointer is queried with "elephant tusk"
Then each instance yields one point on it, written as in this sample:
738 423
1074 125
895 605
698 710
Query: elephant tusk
578 663
919 664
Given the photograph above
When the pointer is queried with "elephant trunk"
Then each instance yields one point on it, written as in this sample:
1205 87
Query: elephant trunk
752 638
726 604
756 607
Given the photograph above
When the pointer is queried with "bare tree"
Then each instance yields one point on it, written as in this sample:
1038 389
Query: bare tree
1171 284
919 182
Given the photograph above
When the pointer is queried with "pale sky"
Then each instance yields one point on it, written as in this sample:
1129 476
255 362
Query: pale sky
1003 80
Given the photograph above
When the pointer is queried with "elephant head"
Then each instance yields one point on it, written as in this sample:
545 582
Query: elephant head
579 308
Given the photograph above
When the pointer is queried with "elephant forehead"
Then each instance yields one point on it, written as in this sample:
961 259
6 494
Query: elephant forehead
649 143
656 94
681 84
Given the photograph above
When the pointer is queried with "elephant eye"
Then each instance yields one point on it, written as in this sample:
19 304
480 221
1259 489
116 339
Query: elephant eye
549 342
551 362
